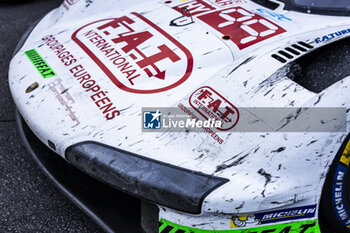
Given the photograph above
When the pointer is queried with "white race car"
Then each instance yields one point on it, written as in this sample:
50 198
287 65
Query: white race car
91 78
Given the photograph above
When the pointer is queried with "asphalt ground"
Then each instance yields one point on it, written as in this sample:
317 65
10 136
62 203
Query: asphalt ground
29 202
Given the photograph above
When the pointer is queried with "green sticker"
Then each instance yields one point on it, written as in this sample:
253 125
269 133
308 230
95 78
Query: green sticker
310 226
40 64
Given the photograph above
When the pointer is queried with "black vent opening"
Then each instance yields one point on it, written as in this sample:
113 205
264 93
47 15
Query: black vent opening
295 52
323 67
279 58
291 52
287 55
306 45
298 47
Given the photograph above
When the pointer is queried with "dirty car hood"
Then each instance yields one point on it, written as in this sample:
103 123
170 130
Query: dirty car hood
109 62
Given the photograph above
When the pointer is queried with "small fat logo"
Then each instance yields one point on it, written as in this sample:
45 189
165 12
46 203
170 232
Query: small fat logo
211 105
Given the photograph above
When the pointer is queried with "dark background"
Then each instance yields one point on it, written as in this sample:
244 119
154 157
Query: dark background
29 202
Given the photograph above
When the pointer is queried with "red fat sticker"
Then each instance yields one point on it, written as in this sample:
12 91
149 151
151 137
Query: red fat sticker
244 27
211 105
136 54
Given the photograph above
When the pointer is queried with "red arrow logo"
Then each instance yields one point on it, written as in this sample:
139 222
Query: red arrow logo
160 75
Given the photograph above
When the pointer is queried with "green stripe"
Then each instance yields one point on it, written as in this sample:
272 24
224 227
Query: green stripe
40 64
310 226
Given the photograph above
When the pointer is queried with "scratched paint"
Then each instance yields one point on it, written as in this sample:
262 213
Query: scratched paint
266 170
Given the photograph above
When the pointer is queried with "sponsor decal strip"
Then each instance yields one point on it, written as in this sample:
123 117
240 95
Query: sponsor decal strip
87 82
62 91
310 226
249 220
338 192
40 64
273 14
332 36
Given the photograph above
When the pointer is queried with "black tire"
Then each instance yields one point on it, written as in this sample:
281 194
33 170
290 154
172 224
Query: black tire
335 201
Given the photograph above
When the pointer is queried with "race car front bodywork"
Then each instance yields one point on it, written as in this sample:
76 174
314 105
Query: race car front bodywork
86 70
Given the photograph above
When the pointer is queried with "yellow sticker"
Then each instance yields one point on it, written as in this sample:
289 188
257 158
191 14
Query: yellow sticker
244 220
345 158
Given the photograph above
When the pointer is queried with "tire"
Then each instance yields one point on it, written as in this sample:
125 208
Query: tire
335 201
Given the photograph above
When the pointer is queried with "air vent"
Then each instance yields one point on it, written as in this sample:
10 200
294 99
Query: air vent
323 67
306 45
291 52
298 47
295 52
287 55
278 58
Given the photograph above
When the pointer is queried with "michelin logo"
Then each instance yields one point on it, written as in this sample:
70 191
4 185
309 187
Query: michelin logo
238 221
245 221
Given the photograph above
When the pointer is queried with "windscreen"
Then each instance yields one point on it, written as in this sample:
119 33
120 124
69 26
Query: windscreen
340 4
322 7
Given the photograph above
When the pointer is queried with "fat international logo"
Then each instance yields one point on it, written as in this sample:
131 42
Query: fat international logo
152 119
135 54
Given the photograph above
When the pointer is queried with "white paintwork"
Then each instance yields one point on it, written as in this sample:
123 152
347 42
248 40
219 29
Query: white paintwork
298 172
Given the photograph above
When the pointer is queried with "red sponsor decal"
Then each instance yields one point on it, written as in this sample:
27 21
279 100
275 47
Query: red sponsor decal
244 27
195 7
136 54
211 105
87 81
224 3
